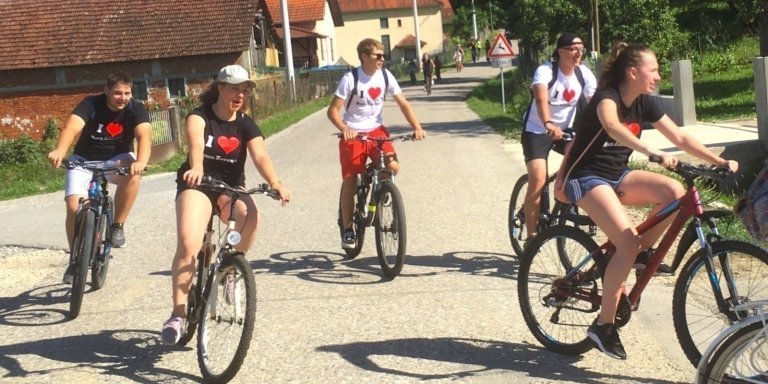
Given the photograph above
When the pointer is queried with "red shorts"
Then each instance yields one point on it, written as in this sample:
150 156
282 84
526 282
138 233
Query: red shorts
353 154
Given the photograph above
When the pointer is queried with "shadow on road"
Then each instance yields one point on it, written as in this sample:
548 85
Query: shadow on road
421 358
336 268
127 353
31 308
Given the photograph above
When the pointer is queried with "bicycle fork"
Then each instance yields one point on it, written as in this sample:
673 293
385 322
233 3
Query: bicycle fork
705 242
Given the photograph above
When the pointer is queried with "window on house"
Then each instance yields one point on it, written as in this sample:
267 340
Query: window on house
177 87
384 23
139 90
385 43
399 23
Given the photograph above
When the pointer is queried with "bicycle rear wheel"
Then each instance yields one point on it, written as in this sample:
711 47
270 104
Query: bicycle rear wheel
390 229
358 223
103 247
559 321
741 358
227 323
697 316
516 216
82 254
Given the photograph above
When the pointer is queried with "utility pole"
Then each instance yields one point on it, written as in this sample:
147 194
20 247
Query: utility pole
288 48
596 26
417 43
474 22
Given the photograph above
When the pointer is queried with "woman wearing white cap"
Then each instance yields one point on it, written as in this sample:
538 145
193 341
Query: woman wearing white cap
220 136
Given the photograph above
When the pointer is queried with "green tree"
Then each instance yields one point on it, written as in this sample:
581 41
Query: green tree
754 12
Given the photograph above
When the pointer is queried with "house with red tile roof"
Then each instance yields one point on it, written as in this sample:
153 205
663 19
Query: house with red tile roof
55 52
312 30
392 23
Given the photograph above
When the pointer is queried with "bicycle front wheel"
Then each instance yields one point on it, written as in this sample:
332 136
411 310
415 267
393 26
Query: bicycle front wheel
741 358
741 275
82 254
103 247
557 319
227 324
390 229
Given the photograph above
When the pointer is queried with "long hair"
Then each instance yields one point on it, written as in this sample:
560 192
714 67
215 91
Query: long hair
622 57
210 95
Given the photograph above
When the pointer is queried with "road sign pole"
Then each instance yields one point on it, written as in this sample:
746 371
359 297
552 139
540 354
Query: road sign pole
503 103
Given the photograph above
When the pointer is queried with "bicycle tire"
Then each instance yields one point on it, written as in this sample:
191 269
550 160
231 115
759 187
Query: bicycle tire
358 225
516 217
82 254
390 228
554 320
195 293
693 299
728 365
104 248
223 313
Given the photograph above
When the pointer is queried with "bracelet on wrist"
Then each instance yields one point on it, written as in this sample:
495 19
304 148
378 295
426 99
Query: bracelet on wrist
549 122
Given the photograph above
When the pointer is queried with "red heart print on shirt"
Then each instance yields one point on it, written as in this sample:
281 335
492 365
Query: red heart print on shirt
633 127
228 144
568 94
374 92
114 129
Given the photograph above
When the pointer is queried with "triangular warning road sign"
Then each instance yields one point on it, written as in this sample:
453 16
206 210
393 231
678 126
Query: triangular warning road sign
500 48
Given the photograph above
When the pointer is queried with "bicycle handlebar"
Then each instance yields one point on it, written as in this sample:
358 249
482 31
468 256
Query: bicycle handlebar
364 137
214 184
69 164
692 171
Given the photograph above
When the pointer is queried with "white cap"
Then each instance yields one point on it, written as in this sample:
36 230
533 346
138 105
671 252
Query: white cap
234 74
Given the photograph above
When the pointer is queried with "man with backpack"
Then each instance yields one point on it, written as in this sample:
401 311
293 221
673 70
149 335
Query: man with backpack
557 89
362 92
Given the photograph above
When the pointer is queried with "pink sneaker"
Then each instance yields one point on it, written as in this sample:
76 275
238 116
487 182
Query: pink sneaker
171 332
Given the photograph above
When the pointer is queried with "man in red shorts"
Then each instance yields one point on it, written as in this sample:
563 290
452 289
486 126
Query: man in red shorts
362 94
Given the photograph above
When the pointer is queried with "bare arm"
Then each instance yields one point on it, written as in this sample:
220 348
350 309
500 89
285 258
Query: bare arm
334 115
144 139
541 98
607 112
263 163
689 144
72 128
195 130
405 108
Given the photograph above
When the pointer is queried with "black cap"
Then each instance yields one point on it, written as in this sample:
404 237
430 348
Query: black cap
566 39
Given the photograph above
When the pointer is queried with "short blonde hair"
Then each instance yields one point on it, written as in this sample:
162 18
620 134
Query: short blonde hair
367 46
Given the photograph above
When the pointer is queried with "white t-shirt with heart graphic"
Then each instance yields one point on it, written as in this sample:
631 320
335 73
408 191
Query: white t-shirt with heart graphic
563 96
364 112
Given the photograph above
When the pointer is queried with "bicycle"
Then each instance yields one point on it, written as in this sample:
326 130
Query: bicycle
92 243
222 299
559 302
378 203
561 213
739 354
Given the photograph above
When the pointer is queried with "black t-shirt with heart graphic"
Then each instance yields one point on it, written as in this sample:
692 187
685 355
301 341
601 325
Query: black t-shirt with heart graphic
107 133
596 153
226 146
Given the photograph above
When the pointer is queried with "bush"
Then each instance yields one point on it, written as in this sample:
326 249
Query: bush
23 150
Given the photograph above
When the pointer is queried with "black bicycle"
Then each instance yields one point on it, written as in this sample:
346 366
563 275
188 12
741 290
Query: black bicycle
551 211
378 203
222 299
92 243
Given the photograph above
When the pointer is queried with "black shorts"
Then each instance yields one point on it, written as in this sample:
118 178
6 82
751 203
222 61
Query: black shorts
537 145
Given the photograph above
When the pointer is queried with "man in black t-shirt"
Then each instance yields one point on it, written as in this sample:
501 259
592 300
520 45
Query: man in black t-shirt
107 125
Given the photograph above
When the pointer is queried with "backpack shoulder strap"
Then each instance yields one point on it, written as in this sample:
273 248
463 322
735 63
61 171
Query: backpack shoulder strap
580 77
554 75
386 82
355 78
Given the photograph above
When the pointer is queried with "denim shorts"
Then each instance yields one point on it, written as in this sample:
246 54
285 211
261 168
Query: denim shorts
575 189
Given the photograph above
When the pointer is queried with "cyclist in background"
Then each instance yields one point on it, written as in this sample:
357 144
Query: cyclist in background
363 104
597 177
556 89
107 124
220 138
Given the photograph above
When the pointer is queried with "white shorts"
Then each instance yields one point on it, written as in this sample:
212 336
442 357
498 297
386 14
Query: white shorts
78 179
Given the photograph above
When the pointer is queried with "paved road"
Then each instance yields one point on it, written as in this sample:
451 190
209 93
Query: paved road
451 316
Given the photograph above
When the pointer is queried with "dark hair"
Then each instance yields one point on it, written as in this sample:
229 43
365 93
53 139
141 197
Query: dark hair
622 56
118 77
210 95
564 40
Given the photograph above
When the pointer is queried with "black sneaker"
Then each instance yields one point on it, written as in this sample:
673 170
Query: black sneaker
348 239
69 274
117 236
642 260
606 339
